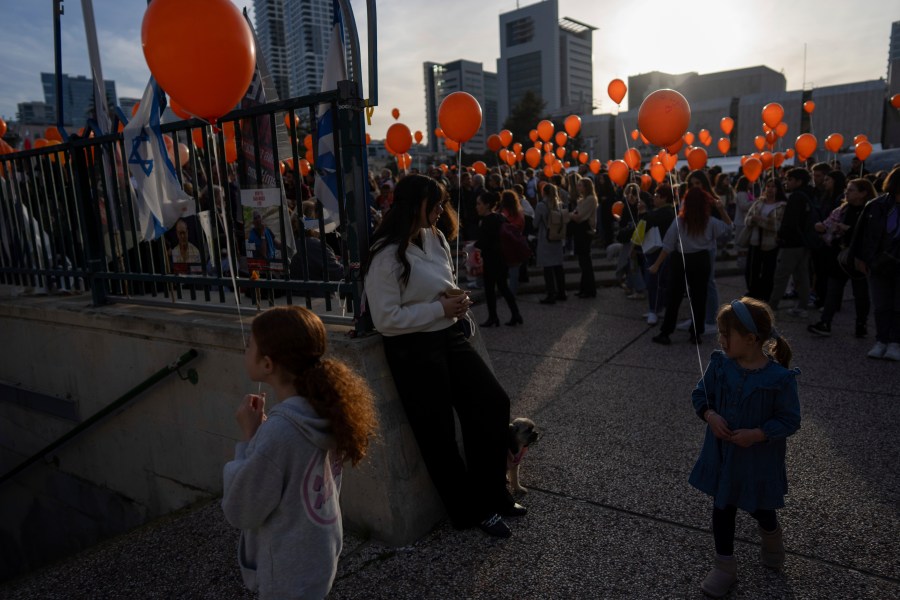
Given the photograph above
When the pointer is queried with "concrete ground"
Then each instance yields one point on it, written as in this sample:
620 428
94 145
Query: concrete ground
611 512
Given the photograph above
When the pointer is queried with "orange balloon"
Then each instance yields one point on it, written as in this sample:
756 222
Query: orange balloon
573 125
669 161
438 132
705 137
197 136
575 154
502 154
548 171
549 159
646 180
3 128
418 137
779 159
594 166
616 90
859 137
753 169
539 145
618 173
228 129
618 206
809 106
634 134
663 117
561 152
368 139
307 141
760 142
834 142
399 137
517 148
309 157
789 153
201 53
287 118
767 160
510 158
772 113
724 145
643 139
460 116
548 146
674 148
506 137
304 166
230 151
806 144
52 133
40 143
727 124
657 172
561 138
395 113
493 143
403 161
863 150
697 159
771 137
781 129
533 157
533 135
688 138
451 144
545 130
633 159
583 157
444 168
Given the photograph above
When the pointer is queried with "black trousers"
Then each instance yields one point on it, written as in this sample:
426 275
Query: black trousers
836 284
496 276
760 272
555 281
723 526
435 373
583 237
697 267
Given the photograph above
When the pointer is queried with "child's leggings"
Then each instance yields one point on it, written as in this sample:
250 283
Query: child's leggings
723 526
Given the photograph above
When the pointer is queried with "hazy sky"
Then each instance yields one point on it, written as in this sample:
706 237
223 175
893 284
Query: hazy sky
845 42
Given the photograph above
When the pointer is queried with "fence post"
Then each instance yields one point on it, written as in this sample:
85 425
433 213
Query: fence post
92 232
355 172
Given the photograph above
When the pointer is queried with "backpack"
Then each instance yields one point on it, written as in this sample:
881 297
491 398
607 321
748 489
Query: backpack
514 248
556 225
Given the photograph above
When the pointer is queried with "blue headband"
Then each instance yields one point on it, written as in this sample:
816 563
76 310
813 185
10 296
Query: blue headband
743 314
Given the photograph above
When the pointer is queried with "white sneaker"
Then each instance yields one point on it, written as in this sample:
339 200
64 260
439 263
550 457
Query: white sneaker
878 350
892 352
652 319
684 325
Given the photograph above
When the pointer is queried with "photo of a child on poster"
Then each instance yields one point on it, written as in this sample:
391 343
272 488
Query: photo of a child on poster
183 241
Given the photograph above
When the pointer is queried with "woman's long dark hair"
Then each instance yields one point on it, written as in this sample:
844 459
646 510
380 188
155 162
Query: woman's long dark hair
402 221
695 211
295 339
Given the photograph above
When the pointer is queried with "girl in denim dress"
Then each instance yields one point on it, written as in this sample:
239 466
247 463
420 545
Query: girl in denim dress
748 397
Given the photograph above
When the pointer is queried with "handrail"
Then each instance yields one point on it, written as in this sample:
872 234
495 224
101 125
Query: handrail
117 404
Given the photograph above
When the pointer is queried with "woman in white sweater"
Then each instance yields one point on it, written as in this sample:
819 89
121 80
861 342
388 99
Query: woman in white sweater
434 366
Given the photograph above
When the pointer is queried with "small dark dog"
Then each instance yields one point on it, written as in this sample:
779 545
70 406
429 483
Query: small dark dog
522 433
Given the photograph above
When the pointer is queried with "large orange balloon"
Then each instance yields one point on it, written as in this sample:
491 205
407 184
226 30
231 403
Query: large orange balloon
460 116
806 144
561 138
506 137
201 53
772 113
533 157
545 130
633 159
399 138
573 125
752 169
697 159
618 206
724 145
863 150
809 106
664 116
594 166
834 142
657 172
418 137
727 124
616 90
618 172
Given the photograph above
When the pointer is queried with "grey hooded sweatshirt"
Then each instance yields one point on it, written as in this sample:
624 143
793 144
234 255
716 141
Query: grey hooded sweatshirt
282 490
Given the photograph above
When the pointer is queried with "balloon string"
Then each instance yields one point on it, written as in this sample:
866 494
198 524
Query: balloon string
459 213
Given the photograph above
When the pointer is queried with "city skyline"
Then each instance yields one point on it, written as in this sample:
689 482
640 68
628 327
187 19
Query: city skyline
843 44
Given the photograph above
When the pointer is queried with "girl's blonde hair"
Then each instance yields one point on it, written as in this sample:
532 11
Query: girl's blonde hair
764 319
295 339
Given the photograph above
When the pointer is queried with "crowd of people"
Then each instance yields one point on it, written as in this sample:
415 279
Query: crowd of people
793 231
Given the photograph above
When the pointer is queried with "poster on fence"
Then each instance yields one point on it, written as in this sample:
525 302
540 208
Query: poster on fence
183 241
265 246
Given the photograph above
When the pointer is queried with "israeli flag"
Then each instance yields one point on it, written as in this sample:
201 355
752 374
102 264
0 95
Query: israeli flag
326 187
159 199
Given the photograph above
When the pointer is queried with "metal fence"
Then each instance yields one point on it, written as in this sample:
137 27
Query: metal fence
69 222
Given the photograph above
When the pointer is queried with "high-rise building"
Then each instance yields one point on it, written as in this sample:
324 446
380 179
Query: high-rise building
36 113
893 74
442 80
77 96
307 33
556 63
269 17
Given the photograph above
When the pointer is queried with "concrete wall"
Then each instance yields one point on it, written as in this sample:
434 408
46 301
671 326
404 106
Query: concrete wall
166 450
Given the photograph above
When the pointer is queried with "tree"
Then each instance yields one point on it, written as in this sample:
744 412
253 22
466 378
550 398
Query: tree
525 116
